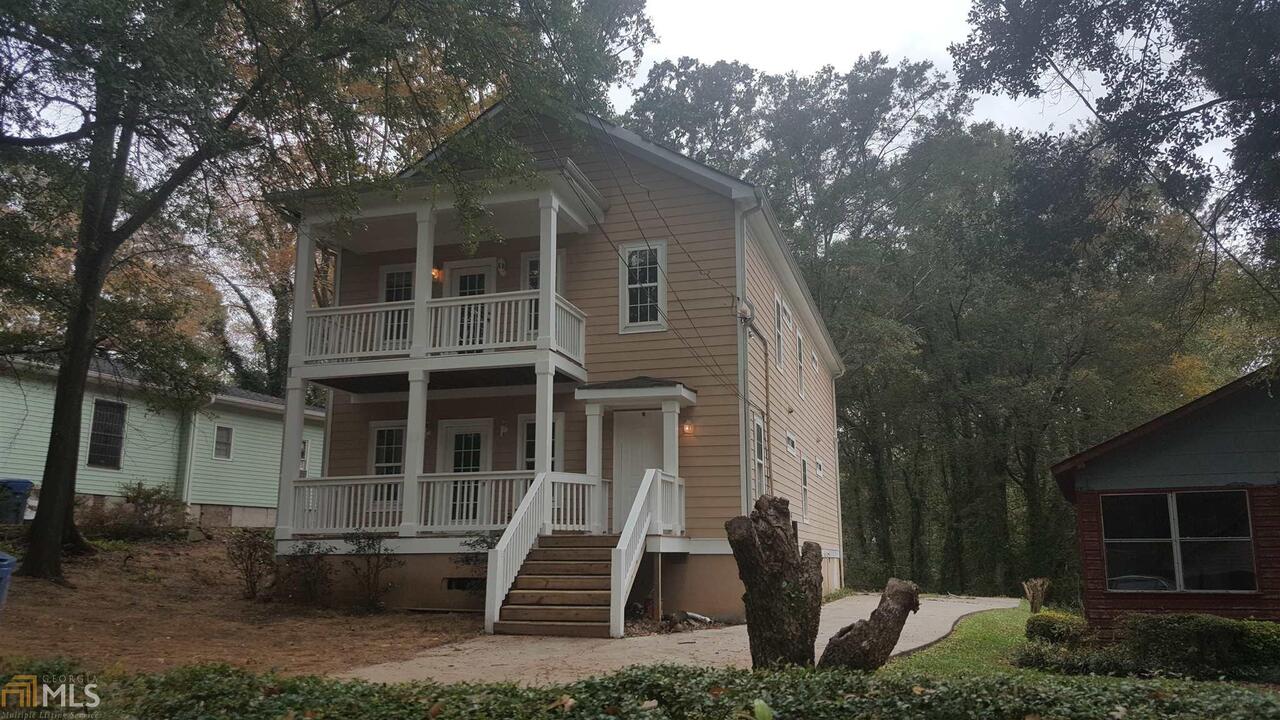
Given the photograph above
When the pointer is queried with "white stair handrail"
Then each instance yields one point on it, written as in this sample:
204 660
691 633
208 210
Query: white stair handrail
629 551
505 559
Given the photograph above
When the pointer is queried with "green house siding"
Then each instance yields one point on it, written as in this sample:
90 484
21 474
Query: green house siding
156 443
152 439
251 477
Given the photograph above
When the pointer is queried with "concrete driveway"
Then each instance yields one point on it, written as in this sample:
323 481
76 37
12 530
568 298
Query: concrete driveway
545 660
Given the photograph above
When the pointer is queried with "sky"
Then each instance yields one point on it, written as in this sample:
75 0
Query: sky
803 35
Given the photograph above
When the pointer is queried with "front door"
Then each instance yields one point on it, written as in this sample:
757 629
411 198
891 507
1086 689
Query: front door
637 447
467 279
465 448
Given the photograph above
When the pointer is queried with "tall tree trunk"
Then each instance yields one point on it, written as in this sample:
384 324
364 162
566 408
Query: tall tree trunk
882 507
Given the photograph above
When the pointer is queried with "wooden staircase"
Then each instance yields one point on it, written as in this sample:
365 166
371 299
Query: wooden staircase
562 588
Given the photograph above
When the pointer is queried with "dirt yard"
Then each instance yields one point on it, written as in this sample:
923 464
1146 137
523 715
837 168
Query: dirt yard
153 607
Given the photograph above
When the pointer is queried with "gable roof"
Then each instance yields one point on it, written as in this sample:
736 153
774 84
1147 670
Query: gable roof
1064 471
747 195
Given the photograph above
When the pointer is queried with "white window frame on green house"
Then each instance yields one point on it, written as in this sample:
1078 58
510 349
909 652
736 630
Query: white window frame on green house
659 324
217 441
124 425
524 460
1176 540
374 428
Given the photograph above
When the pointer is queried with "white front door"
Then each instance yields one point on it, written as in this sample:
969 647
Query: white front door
468 278
637 447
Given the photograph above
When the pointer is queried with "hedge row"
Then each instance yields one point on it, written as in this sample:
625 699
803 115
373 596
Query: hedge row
1191 645
212 692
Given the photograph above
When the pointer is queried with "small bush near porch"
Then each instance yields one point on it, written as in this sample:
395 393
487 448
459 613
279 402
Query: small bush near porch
677 692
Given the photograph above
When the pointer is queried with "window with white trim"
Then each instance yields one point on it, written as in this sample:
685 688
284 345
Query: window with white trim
792 446
642 300
757 455
804 489
1192 541
800 363
388 450
397 284
529 441
106 434
777 331
223 437
302 459
817 466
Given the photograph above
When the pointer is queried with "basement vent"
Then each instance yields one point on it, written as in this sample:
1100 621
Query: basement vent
463 583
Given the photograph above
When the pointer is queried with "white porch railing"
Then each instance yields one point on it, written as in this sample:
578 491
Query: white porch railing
467 502
658 507
570 330
343 504
505 559
477 323
575 504
359 331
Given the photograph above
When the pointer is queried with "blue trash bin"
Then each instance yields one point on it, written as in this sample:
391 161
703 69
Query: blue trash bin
13 500
7 565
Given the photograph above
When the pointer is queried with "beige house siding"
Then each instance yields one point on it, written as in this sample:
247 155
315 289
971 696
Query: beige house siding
810 418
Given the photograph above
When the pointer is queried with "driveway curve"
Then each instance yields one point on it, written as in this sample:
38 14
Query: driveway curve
547 660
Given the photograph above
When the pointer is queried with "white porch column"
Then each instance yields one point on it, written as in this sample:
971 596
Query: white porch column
303 282
424 261
671 437
595 462
295 403
415 444
548 207
544 402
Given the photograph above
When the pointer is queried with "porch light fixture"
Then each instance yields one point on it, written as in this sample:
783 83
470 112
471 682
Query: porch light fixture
437 275
687 427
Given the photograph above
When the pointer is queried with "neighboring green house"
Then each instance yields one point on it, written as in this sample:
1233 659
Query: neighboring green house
223 459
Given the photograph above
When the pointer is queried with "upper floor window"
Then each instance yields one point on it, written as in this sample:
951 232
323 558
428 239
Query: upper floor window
777 331
800 363
106 434
1180 541
792 446
397 283
222 439
531 266
804 489
642 297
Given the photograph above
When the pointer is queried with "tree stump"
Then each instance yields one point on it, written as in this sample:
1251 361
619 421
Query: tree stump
867 644
783 583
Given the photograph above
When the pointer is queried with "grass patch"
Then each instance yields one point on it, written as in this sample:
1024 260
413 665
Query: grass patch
837 594
980 644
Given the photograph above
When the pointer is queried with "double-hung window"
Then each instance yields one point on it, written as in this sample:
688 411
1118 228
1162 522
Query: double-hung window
642 285
804 489
777 331
757 455
1193 541
388 450
800 363
106 434
223 436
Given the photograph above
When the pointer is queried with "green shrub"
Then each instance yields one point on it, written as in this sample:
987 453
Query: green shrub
369 558
146 513
252 553
1203 645
305 574
680 692
1096 659
1054 627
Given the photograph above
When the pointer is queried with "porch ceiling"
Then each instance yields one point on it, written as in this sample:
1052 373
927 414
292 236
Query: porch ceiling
441 380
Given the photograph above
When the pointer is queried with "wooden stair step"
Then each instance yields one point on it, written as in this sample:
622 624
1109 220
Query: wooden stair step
558 597
565 567
571 553
561 582
569 629
567 541
556 613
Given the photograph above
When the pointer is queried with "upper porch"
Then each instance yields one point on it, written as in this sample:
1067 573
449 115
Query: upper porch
410 283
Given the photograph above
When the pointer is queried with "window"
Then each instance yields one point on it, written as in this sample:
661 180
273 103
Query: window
1182 541
222 438
642 301
302 460
397 284
530 262
777 331
757 456
106 434
804 489
388 450
800 363
529 441
791 443
817 466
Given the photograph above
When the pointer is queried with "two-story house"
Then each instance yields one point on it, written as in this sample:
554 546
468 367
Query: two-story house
631 366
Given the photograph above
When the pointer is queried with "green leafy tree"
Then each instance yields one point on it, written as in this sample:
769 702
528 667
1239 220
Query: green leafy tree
147 106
